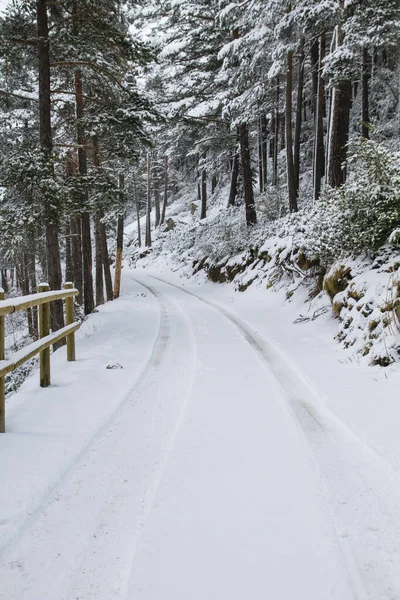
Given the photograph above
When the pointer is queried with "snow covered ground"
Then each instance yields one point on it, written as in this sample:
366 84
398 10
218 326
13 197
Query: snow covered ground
234 455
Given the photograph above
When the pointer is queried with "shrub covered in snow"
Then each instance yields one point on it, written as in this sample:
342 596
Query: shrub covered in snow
359 216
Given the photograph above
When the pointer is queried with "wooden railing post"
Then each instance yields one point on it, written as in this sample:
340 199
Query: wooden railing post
2 357
69 317
44 329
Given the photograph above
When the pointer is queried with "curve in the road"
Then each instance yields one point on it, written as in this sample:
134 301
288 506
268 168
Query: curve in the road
362 492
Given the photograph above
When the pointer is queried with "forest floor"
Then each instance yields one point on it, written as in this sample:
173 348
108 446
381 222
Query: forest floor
225 453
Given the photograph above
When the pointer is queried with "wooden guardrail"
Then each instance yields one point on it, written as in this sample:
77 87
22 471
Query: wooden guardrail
42 299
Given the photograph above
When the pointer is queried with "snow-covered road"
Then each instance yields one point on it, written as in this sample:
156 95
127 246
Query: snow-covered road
218 474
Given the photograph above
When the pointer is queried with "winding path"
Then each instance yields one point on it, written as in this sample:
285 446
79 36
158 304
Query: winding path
221 476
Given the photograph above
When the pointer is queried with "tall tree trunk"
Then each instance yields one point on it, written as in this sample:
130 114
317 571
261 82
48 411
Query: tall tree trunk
283 131
260 170
276 135
148 204
33 289
339 125
106 258
203 194
98 252
98 260
19 275
339 133
165 199
314 54
233 191
137 206
366 74
88 296
101 245
69 271
264 153
76 274
77 260
319 150
87 263
291 176
157 201
26 291
46 143
251 215
214 182
299 105
139 232
120 244
4 281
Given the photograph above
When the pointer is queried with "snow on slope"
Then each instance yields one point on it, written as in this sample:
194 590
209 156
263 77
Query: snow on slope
215 464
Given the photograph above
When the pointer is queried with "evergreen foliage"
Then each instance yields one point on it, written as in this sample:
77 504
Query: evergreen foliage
273 101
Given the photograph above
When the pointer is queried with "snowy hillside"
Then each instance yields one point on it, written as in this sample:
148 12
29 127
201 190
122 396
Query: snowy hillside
362 293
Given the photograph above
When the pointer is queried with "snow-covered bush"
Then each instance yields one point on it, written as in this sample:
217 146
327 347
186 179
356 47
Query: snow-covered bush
272 203
359 216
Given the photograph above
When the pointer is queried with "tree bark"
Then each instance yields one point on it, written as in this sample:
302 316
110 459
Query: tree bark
106 259
264 153
75 273
366 74
99 282
251 215
26 291
46 143
291 176
339 133
233 191
69 272
120 244
77 260
339 125
203 194
88 296
157 201
33 289
165 199
299 105
276 135
148 205
4 281
214 182
19 277
319 150
314 57
260 171
87 263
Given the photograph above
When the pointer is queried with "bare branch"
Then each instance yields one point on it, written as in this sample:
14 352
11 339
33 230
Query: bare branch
19 96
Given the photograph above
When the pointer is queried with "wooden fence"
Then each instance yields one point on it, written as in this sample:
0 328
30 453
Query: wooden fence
42 299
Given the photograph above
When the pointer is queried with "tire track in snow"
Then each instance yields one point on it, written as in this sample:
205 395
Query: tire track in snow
362 491
99 508
127 581
111 579
27 526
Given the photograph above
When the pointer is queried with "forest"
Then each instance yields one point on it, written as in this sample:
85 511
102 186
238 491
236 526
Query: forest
288 112
202 197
